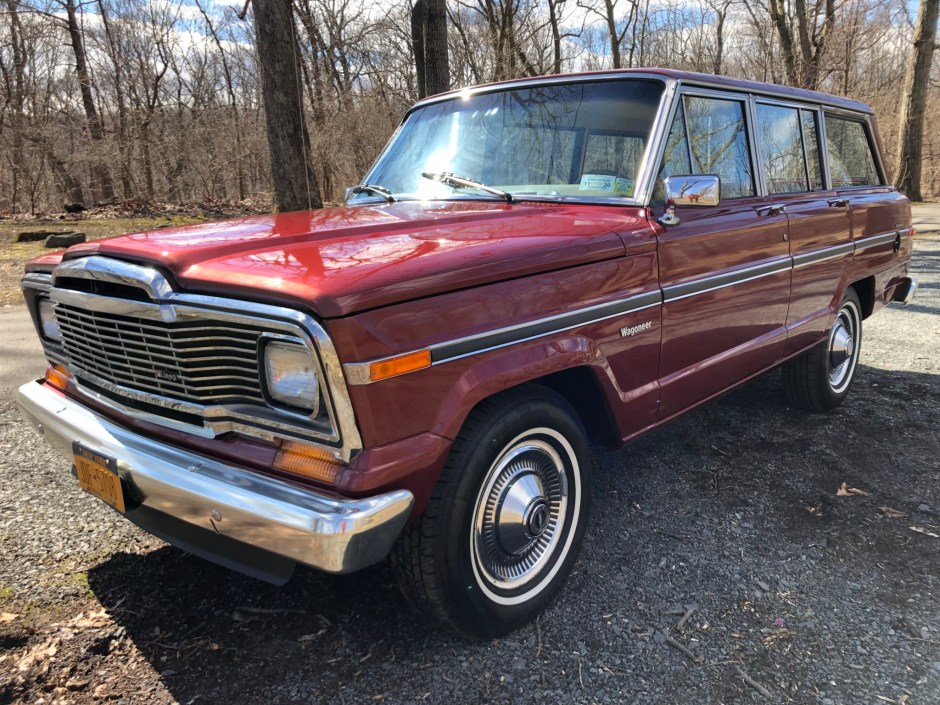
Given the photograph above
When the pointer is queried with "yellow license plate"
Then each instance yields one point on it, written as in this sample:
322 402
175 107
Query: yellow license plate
97 474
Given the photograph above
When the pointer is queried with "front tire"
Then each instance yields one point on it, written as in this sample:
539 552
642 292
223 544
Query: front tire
820 378
505 522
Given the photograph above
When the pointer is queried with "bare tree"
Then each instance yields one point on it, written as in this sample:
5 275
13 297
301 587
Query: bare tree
617 28
802 53
914 105
295 181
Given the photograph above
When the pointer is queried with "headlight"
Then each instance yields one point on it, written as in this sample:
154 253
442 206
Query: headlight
48 322
291 376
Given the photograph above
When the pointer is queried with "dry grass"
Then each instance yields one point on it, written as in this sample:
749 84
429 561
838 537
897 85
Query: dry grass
14 255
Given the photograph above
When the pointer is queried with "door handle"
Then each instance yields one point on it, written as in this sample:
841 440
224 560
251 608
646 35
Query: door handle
772 209
838 202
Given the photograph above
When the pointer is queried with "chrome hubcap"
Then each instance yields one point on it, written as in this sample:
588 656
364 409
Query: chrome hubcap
843 346
520 514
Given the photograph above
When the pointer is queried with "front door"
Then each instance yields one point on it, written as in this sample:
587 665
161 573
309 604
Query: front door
724 270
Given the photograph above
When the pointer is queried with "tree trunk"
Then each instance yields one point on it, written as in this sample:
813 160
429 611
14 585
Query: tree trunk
16 89
610 18
913 107
95 127
556 34
776 9
295 181
429 39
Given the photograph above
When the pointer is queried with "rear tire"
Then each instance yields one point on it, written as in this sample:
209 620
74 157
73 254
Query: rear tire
820 378
504 524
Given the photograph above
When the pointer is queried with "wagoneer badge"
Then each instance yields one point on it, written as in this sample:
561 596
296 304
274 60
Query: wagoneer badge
630 331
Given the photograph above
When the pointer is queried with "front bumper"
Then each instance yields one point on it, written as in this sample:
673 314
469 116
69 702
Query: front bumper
244 520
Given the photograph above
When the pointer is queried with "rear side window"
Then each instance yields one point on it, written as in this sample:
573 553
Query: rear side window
850 158
709 136
780 137
789 148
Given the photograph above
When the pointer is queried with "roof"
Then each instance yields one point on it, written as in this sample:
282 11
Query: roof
684 77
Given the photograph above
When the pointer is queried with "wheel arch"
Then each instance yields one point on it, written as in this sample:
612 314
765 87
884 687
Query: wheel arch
865 289
580 387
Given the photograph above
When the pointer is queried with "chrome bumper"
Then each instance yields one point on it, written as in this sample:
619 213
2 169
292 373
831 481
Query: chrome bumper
166 486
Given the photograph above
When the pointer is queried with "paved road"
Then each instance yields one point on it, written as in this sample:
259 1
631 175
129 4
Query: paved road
21 355
926 217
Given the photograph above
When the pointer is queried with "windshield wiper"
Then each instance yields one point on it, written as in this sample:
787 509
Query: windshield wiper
446 177
375 190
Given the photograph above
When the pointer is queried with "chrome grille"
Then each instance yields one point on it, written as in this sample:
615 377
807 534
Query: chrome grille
199 361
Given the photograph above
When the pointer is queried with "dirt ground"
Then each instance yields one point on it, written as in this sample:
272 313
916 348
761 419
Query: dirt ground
722 564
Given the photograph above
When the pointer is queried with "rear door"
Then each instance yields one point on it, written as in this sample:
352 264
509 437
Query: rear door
788 145
878 212
724 270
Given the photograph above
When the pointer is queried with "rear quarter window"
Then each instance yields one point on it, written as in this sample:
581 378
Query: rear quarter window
851 162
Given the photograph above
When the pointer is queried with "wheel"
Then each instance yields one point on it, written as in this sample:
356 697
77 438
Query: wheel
505 521
820 378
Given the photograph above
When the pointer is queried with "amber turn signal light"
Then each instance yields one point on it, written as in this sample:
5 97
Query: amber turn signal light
307 461
394 366
58 376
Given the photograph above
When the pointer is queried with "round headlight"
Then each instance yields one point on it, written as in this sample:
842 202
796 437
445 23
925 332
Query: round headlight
48 322
291 376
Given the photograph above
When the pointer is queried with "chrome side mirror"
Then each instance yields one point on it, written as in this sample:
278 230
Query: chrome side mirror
348 193
689 190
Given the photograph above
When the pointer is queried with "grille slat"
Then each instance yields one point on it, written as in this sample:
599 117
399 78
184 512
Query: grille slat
179 327
199 362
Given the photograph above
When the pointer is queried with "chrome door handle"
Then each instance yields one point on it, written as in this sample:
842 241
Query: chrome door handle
838 202
772 209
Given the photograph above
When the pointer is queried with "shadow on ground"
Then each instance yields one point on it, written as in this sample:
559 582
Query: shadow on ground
732 509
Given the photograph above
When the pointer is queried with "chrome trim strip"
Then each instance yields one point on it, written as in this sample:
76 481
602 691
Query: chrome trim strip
876 240
721 281
659 133
491 340
358 372
827 253
36 280
344 439
333 534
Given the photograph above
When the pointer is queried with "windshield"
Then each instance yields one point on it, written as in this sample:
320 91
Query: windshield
571 141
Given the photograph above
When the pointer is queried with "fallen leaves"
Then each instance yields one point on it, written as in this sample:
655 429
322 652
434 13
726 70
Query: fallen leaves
892 513
925 532
846 491
94 620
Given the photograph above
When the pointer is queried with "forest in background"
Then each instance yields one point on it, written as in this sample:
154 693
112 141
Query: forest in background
160 101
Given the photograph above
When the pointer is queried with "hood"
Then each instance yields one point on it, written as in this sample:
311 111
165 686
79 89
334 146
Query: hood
343 260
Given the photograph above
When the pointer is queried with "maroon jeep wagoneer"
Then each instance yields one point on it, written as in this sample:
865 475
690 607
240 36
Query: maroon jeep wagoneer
528 265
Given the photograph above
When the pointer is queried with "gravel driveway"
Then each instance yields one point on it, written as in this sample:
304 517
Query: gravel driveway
720 566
